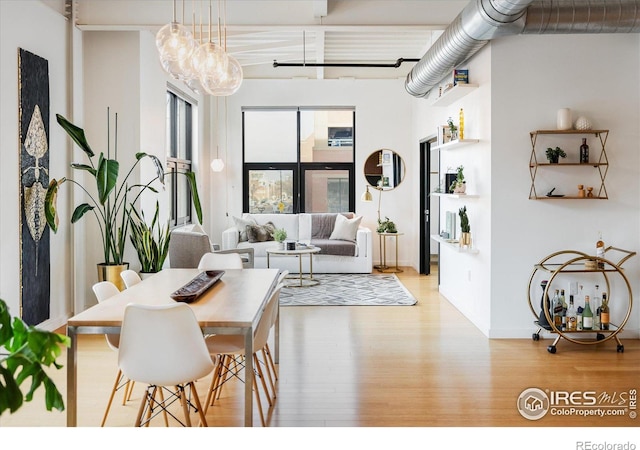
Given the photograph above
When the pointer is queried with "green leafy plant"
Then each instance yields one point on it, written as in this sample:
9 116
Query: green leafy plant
151 242
109 203
553 154
464 220
386 226
459 181
452 127
280 234
28 350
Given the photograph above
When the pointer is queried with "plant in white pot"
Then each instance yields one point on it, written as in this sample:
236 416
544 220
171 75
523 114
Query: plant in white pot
279 236
108 201
459 185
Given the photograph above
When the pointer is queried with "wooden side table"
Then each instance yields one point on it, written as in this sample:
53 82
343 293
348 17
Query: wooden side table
383 267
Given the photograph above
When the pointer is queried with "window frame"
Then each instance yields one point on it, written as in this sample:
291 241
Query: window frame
299 168
174 164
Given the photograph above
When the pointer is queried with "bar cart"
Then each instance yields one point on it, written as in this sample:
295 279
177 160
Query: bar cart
576 263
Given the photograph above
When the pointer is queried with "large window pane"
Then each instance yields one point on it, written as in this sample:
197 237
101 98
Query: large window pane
271 191
270 136
326 135
180 139
326 190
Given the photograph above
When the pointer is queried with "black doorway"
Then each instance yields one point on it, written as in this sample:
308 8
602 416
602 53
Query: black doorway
425 204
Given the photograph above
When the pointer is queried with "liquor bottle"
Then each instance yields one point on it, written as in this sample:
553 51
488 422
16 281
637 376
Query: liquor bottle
461 125
557 309
587 315
584 151
563 316
600 250
596 308
545 304
604 313
579 316
572 316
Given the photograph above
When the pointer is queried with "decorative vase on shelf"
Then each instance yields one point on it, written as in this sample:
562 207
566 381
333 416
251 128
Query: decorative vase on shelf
564 119
465 239
460 187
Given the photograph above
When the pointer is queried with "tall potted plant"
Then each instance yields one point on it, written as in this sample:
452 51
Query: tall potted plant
109 201
151 241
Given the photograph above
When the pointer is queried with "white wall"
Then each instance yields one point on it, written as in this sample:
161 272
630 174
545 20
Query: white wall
383 120
532 77
523 81
464 278
40 30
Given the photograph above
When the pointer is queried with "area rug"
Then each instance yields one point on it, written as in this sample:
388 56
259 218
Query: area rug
349 290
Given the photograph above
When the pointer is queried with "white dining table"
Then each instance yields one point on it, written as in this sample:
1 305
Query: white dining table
233 305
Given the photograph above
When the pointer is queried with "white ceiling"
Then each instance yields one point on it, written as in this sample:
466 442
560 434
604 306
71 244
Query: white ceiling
293 31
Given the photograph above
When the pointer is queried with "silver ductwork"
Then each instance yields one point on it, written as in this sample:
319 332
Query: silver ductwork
482 20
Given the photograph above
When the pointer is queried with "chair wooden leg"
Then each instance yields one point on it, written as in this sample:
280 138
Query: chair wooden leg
257 364
113 393
143 402
196 400
258 401
128 390
269 375
181 392
164 412
267 350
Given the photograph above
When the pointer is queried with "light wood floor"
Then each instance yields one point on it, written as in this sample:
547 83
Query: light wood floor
405 366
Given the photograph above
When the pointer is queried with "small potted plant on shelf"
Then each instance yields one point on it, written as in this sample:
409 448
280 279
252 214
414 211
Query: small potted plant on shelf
554 154
453 129
459 185
279 236
386 226
465 237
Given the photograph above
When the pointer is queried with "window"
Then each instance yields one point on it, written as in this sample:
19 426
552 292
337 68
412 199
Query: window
180 132
298 160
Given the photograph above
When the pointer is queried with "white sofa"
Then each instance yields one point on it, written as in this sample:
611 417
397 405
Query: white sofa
299 228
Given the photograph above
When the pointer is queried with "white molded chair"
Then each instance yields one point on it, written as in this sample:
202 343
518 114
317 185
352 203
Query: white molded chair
163 346
130 278
226 350
220 261
105 290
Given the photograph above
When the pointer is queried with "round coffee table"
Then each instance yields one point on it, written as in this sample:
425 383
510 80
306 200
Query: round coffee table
301 281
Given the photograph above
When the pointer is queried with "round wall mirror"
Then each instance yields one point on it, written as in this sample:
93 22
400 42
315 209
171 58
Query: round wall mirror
384 169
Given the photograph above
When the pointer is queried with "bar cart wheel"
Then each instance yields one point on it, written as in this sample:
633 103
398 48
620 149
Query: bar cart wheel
551 349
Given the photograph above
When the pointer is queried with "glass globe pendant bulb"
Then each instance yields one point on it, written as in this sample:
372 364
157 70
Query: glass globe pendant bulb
209 61
174 42
217 165
195 85
173 68
230 82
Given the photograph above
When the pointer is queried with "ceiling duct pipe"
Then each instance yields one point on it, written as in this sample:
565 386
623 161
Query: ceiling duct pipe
483 20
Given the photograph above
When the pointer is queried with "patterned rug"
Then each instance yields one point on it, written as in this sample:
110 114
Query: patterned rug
349 290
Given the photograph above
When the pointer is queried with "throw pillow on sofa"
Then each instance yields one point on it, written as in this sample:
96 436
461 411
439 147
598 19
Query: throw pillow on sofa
345 229
261 233
241 225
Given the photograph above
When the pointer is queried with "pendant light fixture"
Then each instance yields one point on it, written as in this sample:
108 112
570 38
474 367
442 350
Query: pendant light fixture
229 82
175 43
210 61
217 165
